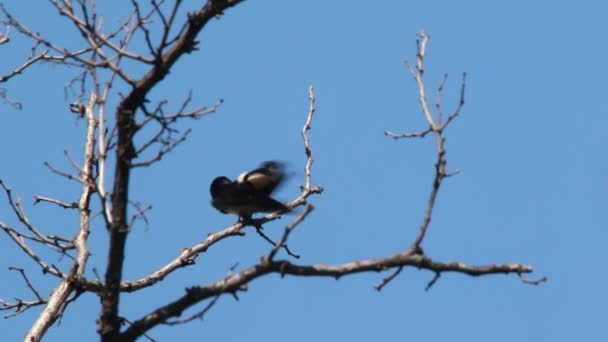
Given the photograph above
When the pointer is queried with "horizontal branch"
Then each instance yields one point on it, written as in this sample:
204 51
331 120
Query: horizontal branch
234 283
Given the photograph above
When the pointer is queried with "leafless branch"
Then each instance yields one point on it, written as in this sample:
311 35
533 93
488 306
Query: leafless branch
260 232
433 281
532 282
435 126
74 164
76 58
141 22
60 297
283 241
198 315
164 135
15 104
64 205
18 239
109 323
62 173
408 135
388 279
140 213
80 81
166 147
29 62
437 129
20 305
148 337
283 267
27 282
305 129
438 108
307 189
17 208
185 258
456 111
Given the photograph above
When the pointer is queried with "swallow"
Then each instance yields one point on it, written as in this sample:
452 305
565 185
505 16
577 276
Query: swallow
250 193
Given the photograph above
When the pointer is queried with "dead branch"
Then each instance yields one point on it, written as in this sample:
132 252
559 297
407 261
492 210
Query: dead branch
421 134
167 145
283 241
165 134
15 104
198 315
140 213
57 202
27 282
532 282
440 166
20 305
388 279
62 173
109 322
258 229
18 238
18 70
283 267
437 127
19 212
60 297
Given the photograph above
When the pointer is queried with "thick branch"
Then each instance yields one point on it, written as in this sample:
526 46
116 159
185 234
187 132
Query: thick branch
59 298
235 282
109 322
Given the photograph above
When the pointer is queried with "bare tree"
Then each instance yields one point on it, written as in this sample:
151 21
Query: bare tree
101 63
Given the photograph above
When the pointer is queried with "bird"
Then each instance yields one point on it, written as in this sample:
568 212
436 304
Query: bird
250 193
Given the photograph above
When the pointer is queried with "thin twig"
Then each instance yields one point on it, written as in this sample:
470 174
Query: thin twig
199 315
438 101
140 213
408 135
282 242
27 282
388 279
168 147
144 334
17 238
532 282
62 173
258 230
305 129
456 111
433 281
38 199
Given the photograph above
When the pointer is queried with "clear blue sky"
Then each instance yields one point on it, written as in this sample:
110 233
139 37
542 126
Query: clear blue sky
530 144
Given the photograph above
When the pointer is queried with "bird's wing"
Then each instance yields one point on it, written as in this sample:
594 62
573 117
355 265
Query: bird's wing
265 178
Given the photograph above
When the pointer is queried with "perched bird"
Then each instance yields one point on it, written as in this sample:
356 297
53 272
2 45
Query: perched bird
250 193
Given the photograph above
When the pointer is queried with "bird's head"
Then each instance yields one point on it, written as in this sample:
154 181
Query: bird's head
218 184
